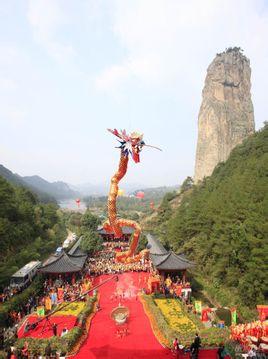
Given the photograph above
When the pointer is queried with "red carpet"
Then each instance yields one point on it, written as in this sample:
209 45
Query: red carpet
44 330
102 341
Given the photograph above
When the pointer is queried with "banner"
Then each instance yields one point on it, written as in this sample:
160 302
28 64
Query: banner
40 310
198 306
233 316
204 315
48 304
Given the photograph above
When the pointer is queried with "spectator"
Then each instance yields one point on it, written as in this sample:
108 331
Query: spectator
195 347
64 331
176 344
55 329
48 351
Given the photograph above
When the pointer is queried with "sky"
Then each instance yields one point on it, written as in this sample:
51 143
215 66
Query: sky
71 69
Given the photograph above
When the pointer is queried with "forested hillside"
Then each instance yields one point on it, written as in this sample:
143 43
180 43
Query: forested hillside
17 180
28 229
222 223
46 191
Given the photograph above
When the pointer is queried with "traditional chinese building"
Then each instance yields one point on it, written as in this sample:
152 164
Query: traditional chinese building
65 263
167 262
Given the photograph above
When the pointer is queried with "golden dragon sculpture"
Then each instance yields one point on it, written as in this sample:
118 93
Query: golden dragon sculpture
129 145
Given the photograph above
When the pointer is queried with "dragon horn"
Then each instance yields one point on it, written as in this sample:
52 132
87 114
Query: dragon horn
115 132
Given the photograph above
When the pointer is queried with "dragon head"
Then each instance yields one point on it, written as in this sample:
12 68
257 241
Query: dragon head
130 144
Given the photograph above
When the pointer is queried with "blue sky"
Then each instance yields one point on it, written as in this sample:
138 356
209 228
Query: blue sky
71 69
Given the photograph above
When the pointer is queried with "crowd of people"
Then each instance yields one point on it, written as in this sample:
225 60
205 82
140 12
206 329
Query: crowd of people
104 262
252 335
63 290
175 287
9 292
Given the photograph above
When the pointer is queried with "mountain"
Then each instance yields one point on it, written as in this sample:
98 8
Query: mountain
226 114
59 190
17 180
46 191
221 224
12 177
102 189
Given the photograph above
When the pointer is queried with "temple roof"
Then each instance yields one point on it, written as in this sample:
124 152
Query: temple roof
76 250
170 261
154 245
63 263
166 260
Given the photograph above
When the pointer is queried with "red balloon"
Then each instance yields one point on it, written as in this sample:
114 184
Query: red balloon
77 200
140 194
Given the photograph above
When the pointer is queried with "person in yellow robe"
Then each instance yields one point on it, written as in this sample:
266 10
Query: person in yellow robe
48 304
168 281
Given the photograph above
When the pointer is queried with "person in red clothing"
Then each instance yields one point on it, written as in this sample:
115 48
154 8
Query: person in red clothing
175 345
24 350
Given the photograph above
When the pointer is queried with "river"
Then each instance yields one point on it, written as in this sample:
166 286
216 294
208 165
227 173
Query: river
72 205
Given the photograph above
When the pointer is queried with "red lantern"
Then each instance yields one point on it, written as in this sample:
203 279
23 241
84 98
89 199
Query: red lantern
140 194
78 202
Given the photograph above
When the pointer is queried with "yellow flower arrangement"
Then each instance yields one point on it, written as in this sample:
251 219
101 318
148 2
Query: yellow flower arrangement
157 332
174 315
72 309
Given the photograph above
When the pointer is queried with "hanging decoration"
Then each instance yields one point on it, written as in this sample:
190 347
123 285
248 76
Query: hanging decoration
233 316
78 202
140 195
121 192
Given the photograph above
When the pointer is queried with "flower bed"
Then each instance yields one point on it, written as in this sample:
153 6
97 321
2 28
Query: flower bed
175 316
72 309
171 326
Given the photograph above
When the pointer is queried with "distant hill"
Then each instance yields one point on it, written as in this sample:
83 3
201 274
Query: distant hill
17 180
46 191
156 193
101 189
59 190
11 177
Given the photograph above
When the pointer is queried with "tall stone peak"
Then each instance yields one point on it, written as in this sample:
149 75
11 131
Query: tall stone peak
226 114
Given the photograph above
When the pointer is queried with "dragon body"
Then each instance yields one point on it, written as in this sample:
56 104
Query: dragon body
129 145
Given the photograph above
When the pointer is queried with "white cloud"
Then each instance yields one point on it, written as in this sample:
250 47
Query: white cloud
172 42
7 84
46 18
13 115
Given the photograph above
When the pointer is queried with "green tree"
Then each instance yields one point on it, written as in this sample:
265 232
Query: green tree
89 222
91 242
222 222
186 184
